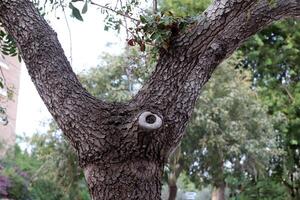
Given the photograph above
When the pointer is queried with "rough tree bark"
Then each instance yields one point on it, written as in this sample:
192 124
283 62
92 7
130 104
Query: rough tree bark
123 153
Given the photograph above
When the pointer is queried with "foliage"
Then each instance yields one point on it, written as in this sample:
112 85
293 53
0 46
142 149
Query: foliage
184 183
5 184
7 48
60 164
273 56
7 44
23 160
154 27
46 190
263 189
16 171
230 133
19 184
117 78
142 24
185 8
23 177
158 29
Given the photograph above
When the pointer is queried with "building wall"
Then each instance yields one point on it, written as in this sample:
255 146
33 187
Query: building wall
10 69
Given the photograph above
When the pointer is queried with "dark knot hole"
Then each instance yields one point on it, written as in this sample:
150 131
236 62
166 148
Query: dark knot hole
150 119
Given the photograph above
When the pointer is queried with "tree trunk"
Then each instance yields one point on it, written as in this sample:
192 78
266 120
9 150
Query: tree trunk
122 147
135 179
218 192
176 166
172 184
172 191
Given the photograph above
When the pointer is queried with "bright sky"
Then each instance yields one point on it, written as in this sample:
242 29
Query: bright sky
89 41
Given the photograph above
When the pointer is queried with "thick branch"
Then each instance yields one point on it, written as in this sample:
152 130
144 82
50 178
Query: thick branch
69 103
183 70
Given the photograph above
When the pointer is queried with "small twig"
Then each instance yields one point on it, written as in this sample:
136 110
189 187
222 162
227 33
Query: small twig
70 34
289 93
112 10
125 20
116 6
127 30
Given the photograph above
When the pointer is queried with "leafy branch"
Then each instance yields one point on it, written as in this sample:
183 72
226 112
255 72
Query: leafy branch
145 27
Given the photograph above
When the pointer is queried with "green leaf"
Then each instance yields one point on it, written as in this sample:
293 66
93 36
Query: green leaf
75 12
294 142
106 28
143 19
85 7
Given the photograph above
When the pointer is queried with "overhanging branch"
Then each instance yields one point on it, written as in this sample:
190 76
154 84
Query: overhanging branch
68 102
187 66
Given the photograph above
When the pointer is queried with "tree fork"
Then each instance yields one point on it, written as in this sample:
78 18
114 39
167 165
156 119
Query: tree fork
122 147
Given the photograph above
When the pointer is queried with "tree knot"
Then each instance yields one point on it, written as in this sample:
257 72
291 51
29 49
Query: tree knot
149 121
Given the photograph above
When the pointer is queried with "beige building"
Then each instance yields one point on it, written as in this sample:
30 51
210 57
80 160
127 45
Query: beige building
10 74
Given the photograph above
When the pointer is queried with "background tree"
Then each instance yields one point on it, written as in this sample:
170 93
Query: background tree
17 172
278 78
230 132
59 164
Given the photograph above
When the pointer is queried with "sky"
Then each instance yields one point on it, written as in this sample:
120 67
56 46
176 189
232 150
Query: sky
89 41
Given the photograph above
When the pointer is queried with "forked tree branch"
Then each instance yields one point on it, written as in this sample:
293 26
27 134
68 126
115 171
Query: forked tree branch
170 92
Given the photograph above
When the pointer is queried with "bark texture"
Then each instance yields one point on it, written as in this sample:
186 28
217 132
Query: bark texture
121 159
